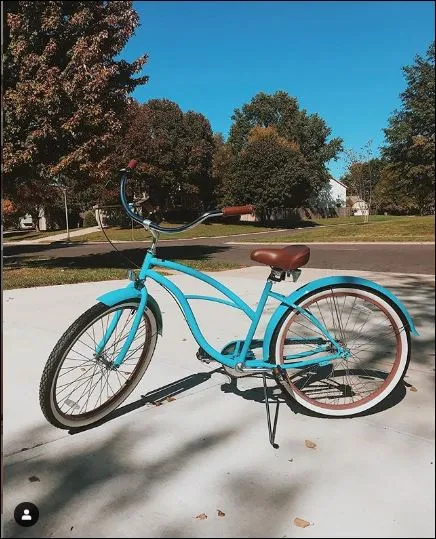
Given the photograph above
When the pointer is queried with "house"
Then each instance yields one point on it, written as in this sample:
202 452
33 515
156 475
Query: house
338 192
330 201
357 205
26 222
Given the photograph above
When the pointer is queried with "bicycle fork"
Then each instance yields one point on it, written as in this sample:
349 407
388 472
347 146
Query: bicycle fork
132 332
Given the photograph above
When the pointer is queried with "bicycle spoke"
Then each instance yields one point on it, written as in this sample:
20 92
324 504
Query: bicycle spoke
85 381
364 329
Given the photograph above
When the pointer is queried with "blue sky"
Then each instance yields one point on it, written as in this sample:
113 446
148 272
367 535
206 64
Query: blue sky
341 60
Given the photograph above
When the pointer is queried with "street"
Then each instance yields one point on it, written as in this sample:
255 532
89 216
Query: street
404 258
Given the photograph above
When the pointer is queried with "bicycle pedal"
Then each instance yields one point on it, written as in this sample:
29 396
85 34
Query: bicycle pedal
203 356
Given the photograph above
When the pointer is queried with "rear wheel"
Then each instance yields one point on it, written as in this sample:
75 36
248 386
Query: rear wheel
79 387
364 322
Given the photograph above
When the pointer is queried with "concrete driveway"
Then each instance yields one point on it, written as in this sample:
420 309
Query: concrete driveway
157 471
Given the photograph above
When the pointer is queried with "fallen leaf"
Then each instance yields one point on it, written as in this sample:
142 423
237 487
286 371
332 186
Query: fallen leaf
413 388
220 513
169 399
202 516
71 528
301 523
290 460
309 444
158 403
33 478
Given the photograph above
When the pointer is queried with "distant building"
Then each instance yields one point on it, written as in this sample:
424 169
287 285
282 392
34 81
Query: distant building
330 201
338 192
357 205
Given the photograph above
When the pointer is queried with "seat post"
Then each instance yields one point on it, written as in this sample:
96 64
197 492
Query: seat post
276 275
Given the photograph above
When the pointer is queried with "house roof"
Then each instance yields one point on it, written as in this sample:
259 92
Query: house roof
353 199
337 181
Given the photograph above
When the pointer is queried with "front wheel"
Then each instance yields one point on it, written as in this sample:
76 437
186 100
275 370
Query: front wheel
79 386
365 323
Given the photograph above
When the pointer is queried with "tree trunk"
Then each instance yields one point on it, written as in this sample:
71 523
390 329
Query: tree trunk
35 219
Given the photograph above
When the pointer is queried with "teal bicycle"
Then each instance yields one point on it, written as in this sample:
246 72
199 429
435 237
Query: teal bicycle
338 345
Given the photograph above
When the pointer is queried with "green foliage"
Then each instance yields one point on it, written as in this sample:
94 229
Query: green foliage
65 94
411 137
271 173
275 156
282 112
174 152
89 219
362 179
223 160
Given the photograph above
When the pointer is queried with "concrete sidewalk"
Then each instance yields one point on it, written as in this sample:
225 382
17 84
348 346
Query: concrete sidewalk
56 237
151 470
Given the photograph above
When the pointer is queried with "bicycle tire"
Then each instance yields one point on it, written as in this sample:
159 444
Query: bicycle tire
303 387
47 397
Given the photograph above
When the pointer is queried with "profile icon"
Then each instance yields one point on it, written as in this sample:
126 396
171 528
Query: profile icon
26 514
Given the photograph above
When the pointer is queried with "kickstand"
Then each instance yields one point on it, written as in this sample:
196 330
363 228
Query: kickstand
271 431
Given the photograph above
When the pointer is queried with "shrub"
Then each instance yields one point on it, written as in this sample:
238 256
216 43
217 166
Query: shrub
89 219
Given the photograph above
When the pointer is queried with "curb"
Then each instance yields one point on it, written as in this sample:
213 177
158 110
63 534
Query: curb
334 243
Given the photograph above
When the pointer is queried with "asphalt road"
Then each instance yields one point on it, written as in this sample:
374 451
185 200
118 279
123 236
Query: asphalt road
401 258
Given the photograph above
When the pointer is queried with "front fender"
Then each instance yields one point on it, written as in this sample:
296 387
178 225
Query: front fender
321 283
131 293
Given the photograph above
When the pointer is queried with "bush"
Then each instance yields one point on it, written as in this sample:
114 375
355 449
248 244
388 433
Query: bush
117 217
89 219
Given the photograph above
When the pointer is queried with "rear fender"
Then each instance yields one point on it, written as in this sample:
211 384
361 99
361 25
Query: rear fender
298 294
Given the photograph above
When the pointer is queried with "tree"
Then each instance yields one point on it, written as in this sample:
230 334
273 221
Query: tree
363 175
410 136
200 148
10 214
281 111
271 173
222 163
174 152
65 94
296 169
389 198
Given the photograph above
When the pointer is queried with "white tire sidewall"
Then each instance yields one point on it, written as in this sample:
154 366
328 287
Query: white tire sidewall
386 391
123 396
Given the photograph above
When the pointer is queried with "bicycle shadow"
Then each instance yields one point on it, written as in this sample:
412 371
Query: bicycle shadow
275 395
156 397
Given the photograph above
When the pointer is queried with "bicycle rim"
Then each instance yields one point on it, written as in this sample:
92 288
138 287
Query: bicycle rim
365 324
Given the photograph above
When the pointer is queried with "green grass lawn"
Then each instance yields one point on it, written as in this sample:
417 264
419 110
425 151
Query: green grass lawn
32 274
202 230
31 235
379 228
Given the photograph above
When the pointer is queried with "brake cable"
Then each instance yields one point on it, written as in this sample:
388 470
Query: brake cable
131 263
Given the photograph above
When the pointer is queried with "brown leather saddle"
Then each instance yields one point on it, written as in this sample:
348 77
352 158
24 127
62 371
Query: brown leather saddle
287 258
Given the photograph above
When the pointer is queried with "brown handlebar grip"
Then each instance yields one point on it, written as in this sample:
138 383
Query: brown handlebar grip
238 210
132 164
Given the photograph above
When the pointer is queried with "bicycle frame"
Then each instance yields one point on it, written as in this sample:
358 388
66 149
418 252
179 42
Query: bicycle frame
241 356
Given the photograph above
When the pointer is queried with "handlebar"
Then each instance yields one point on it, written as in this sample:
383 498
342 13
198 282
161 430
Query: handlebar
238 210
233 210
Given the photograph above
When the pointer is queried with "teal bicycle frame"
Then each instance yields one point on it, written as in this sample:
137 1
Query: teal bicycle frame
242 355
